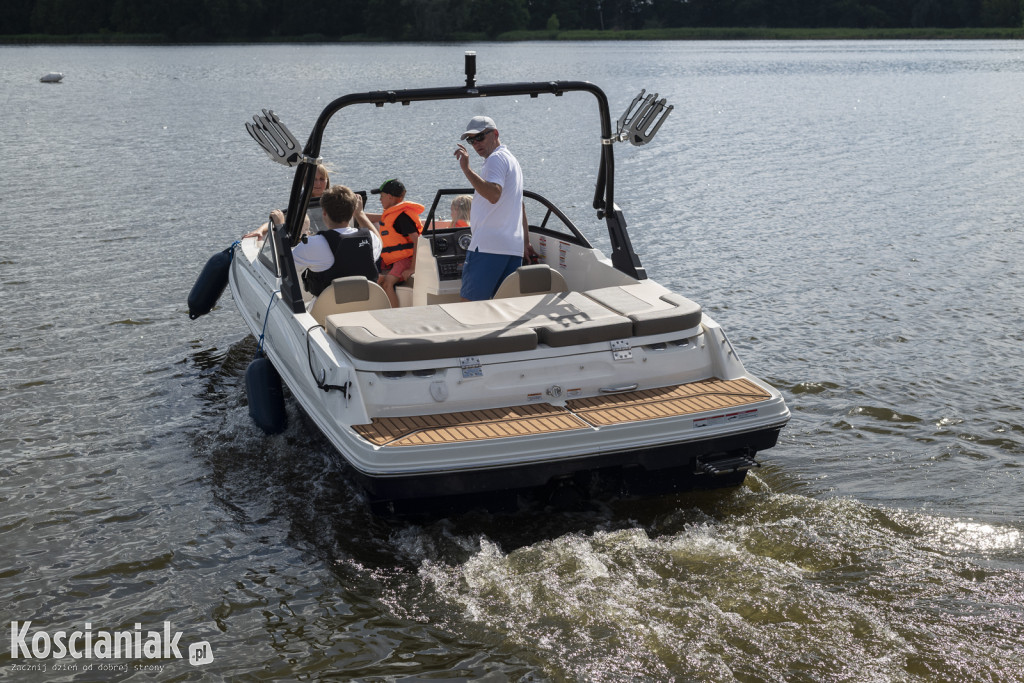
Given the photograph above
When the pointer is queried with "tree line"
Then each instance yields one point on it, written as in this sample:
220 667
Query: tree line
260 20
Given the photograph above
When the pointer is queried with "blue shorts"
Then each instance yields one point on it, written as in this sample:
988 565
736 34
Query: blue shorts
483 273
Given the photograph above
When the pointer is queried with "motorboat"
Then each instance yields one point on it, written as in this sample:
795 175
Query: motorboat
52 77
580 368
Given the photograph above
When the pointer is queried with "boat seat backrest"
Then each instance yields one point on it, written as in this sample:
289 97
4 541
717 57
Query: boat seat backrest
536 279
348 294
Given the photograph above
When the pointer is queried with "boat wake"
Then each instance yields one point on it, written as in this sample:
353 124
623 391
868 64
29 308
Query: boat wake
756 582
752 585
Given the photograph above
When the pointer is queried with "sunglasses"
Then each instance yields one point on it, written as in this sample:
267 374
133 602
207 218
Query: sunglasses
479 137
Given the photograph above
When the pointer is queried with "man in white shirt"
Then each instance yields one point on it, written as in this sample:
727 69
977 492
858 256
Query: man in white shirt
501 237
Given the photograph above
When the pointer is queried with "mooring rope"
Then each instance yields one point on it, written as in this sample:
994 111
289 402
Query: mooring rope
266 317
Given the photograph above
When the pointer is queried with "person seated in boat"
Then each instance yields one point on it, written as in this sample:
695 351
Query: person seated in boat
400 228
461 206
312 224
339 251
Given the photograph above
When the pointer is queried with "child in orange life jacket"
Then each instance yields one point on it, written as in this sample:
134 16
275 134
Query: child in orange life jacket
460 210
400 227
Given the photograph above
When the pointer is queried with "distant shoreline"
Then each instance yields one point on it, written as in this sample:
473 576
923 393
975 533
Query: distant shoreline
690 34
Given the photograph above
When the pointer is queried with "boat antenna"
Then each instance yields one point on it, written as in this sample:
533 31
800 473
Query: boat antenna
470 69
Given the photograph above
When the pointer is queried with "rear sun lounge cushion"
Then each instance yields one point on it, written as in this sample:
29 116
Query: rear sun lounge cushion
559 319
652 310
476 327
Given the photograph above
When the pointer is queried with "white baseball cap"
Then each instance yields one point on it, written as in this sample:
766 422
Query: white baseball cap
479 124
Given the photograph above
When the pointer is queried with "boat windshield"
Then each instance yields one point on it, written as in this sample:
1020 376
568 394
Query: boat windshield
542 215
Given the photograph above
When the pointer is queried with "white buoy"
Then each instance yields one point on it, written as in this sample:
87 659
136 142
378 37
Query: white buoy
52 77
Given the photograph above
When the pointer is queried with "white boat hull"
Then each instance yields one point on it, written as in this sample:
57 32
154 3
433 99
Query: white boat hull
426 428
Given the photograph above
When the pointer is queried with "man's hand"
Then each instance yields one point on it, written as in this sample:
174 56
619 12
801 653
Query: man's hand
463 158
489 191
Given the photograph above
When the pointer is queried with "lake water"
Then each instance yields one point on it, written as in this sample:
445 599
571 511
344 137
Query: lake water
851 213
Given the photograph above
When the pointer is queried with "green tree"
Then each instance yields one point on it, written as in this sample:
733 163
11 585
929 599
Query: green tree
498 16
344 17
567 11
944 13
382 20
16 16
1000 13
67 17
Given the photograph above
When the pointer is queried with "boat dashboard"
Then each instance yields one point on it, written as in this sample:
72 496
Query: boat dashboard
448 248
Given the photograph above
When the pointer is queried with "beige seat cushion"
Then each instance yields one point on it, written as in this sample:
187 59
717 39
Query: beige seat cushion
475 328
536 279
651 308
422 333
346 294
561 319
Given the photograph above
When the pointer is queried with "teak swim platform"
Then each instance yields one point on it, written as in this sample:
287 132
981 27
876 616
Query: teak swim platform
713 395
